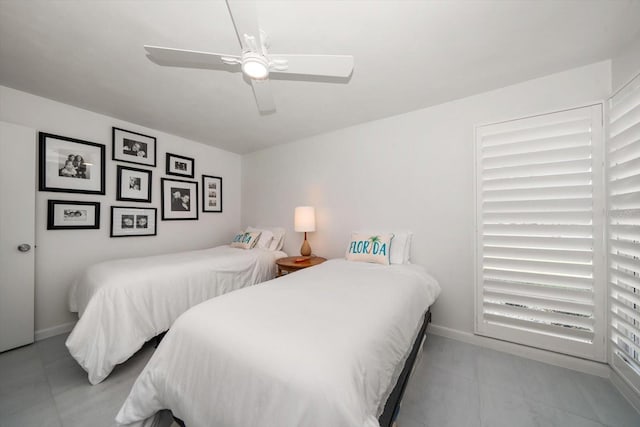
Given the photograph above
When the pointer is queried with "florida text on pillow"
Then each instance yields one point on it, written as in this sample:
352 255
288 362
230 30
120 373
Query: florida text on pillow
370 248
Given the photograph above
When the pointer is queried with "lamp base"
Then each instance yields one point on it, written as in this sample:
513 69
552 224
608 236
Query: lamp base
305 250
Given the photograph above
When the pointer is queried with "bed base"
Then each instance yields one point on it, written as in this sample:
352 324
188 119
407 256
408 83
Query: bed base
392 407
158 339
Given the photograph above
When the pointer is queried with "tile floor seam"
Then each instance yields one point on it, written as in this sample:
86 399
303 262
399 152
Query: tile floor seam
53 398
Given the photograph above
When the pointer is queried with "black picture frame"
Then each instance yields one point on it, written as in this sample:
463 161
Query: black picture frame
133 221
60 170
177 165
173 207
73 215
127 178
211 193
133 147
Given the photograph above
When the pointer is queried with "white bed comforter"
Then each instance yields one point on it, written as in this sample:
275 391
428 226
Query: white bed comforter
322 347
124 303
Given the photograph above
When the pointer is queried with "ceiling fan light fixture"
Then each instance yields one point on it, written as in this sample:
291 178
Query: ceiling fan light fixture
255 66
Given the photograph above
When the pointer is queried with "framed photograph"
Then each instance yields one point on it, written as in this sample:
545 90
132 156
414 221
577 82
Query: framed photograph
133 147
71 165
179 199
211 193
133 184
68 215
132 221
180 165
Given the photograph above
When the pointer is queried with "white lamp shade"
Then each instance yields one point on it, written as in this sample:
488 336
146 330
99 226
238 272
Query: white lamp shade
305 218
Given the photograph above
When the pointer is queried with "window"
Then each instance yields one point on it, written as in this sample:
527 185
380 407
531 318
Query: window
541 275
623 150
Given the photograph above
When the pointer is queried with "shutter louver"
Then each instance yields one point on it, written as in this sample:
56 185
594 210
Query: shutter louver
624 229
539 218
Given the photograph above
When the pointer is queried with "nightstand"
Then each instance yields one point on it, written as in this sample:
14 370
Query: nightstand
289 264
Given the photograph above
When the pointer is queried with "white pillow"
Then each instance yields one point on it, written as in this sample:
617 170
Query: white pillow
266 237
400 246
278 236
245 240
407 250
369 248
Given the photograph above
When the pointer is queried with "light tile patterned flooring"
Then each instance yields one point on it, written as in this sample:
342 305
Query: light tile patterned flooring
455 384
458 384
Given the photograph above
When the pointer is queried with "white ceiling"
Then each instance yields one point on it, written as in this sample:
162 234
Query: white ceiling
408 55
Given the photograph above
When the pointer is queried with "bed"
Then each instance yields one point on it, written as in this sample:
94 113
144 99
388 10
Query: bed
123 303
324 346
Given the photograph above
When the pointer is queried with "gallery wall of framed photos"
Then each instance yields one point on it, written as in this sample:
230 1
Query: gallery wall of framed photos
70 165
62 254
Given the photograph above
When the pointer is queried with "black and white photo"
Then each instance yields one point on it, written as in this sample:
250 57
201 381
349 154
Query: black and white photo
179 199
180 165
72 215
71 165
212 193
133 221
133 184
127 221
133 147
74 166
142 221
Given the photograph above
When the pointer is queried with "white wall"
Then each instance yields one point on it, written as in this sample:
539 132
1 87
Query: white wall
61 254
413 171
626 64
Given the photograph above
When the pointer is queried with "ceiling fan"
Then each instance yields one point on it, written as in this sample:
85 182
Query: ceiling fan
255 61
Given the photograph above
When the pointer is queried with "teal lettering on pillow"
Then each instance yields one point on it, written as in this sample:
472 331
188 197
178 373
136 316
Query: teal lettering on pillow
245 240
369 248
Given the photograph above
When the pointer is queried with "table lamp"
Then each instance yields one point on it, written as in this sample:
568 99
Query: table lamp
305 220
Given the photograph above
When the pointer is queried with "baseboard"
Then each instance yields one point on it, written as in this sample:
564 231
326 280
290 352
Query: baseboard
557 359
625 389
54 330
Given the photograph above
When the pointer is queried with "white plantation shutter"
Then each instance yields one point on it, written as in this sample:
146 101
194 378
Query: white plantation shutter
623 151
540 215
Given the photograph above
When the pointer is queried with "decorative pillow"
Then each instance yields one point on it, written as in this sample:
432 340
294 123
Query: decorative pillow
266 237
278 236
237 238
400 251
245 240
370 248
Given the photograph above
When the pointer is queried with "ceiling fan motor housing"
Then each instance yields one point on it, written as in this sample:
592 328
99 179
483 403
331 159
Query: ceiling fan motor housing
255 66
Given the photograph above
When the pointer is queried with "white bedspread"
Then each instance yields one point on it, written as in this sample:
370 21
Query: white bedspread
322 347
124 303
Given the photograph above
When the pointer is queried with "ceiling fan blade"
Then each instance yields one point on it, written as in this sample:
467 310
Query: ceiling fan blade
315 65
245 21
192 58
263 95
